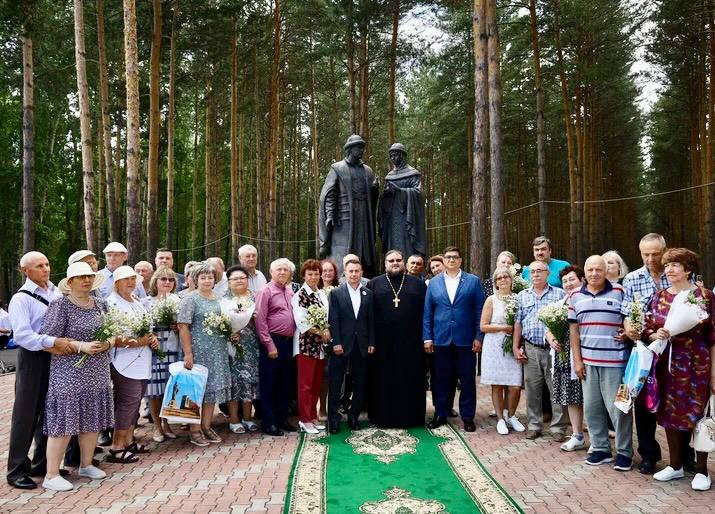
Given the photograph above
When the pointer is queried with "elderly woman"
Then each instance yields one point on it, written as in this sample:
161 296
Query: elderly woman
130 370
240 304
685 372
162 300
206 348
328 274
567 387
308 342
616 267
499 368
506 260
79 397
190 285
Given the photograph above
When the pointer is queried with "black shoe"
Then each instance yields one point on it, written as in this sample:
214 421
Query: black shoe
41 472
273 430
646 467
353 423
287 427
469 425
437 422
334 427
452 413
104 439
22 483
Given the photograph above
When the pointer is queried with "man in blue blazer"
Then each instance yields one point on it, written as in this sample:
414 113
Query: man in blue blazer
450 329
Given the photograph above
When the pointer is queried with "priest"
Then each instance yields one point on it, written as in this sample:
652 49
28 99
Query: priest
396 382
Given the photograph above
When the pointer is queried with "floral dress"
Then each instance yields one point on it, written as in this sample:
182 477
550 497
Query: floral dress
566 389
169 344
309 344
209 350
244 369
683 369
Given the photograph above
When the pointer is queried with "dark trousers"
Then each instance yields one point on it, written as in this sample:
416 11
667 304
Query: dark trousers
276 380
31 380
336 373
452 362
648 447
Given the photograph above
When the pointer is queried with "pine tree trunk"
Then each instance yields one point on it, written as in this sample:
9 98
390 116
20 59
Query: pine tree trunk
195 179
105 129
235 243
479 252
260 205
365 90
101 188
170 130
274 122
540 126
90 225
152 239
570 143
393 73
134 221
28 138
314 168
211 207
709 269
498 242
352 79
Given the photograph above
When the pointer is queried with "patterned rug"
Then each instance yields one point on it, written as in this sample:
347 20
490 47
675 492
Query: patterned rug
392 471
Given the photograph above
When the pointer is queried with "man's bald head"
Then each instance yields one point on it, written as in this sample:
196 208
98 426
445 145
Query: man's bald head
595 270
27 259
36 267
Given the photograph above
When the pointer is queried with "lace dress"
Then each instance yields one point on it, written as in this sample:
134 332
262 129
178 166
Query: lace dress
497 368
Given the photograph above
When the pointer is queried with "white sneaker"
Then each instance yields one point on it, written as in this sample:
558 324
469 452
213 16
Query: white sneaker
237 428
250 426
308 428
492 413
57 484
505 413
701 482
573 444
514 423
502 428
92 472
667 474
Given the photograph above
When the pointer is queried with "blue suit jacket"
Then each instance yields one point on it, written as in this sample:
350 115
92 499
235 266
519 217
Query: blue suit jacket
445 322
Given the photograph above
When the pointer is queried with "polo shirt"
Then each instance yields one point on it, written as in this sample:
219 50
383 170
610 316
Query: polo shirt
555 266
599 317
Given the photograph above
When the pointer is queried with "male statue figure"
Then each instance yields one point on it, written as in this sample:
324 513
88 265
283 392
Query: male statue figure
347 209
402 209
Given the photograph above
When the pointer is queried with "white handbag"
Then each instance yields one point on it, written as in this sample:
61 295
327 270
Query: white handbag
704 433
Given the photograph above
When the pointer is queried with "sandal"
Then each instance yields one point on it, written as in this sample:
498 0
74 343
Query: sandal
211 436
168 433
121 457
137 448
197 438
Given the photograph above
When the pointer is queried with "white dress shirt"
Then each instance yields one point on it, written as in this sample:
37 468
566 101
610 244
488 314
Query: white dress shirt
452 283
26 315
256 281
107 286
132 363
221 287
355 298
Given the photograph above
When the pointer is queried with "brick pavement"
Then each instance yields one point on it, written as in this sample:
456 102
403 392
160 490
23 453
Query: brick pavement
249 473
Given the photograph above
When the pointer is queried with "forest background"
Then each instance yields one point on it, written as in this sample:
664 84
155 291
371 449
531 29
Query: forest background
203 125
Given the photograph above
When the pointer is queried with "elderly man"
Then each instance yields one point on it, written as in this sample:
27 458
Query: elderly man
26 310
531 347
542 252
416 266
116 255
644 282
221 287
275 327
145 270
165 257
248 257
84 256
599 359
450 330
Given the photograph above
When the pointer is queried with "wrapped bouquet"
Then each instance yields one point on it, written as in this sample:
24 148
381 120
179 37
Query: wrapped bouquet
239 311
164 311
511 306
555 317
686 312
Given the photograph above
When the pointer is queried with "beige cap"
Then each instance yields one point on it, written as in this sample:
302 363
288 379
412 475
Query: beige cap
115 247
80 269
79 255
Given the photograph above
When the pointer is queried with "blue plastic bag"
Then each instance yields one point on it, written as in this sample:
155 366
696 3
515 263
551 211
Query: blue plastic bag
634 377
184 393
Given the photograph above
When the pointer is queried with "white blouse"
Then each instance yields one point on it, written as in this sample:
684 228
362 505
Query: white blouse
134 363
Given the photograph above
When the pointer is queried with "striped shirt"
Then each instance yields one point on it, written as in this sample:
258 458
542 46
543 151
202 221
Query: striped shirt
599 318
528 310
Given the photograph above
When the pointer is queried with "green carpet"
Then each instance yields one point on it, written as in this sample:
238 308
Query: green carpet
392 471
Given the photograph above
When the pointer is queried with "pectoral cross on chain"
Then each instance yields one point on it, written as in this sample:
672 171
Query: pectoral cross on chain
396 301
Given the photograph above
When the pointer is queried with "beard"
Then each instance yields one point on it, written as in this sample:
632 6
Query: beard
395 273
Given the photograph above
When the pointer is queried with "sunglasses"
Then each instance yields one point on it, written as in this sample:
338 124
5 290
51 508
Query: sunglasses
167 279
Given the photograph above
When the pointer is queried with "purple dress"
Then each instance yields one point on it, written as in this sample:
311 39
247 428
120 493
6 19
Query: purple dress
79 400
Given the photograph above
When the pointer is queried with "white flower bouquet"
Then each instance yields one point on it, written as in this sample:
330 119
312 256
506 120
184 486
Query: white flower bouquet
164 311
554 316
636 317
511 306
686 312
317 317
217 323
518 283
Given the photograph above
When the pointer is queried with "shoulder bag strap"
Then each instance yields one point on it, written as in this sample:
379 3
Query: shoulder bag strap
35 296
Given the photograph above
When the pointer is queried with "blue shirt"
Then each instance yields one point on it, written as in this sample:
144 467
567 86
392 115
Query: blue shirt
555 266
528 311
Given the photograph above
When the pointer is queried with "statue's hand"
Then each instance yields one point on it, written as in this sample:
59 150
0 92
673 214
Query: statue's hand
329 225
324 252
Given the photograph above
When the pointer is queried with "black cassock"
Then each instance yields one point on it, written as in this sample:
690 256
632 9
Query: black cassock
396 372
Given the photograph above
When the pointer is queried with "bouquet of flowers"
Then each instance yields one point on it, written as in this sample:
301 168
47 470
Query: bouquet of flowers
317 317
554 317
239 311
219 323
512 306
635 313
686 312
244 303
327 289
518 284
164 312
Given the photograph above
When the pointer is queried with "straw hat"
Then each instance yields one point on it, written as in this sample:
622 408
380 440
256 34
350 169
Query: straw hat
123 272
80 269
79 255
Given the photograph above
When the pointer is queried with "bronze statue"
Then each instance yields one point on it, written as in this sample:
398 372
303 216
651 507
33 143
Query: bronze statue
402 208
347 209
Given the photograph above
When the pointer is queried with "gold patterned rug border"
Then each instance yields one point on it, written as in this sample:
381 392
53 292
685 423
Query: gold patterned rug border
306 486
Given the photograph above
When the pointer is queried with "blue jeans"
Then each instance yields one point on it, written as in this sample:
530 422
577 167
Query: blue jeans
599 391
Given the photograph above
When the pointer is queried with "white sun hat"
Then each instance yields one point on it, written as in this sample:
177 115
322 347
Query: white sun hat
80 269
79 255
115 247
124 272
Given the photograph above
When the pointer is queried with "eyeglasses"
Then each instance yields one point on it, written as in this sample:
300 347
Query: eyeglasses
167 279
538 270
452 257
394 260
236 279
